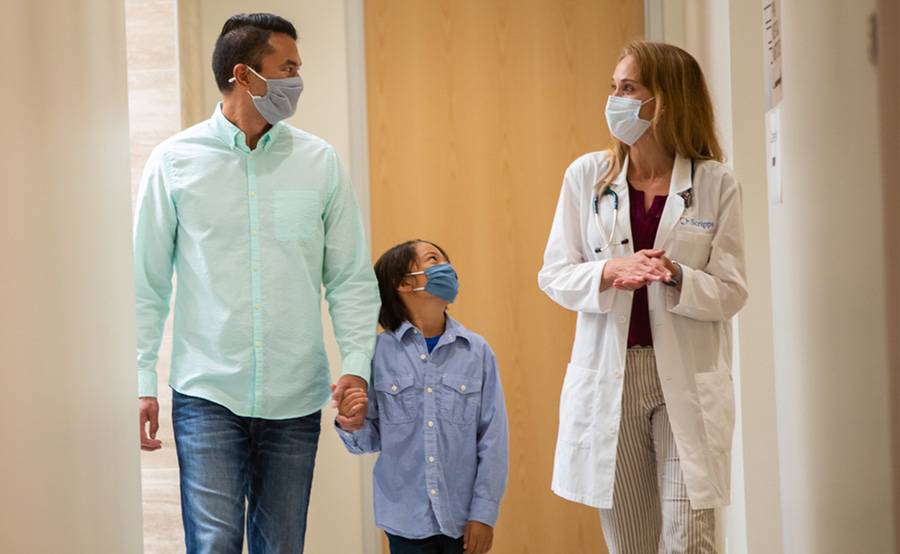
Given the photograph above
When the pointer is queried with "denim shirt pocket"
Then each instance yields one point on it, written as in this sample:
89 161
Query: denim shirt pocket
396 399
459 398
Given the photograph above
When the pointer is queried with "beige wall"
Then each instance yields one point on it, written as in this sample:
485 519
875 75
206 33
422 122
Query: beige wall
327 110
154 115
889 118
69 465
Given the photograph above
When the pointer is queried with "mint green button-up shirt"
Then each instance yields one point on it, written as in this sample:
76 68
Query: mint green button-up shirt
252 237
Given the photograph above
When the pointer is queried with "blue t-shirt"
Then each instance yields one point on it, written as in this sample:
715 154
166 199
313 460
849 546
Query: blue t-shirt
431 342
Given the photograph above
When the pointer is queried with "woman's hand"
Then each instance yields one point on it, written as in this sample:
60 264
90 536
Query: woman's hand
636 271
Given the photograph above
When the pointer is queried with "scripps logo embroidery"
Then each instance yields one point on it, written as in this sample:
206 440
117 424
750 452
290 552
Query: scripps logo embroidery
698 223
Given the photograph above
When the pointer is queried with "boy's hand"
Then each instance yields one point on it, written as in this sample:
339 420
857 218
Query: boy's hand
355 400
478 538
351 416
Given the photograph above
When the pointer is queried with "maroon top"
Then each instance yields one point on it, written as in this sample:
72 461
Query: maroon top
643 234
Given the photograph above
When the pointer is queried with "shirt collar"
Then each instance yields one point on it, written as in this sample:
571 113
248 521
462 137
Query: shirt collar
452 331
228 132
681 176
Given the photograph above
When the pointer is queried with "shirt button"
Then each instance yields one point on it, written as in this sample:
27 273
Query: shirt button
253 232
618 374
393 388
257 306
433 492
430 423
252 194
621 319
430 459
258 343
429 390
423 357
462 388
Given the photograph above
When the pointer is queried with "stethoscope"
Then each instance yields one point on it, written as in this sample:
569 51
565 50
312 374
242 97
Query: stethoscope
687 195
612 231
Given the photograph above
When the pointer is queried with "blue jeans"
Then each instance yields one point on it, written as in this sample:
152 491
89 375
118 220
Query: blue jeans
226 460
438 544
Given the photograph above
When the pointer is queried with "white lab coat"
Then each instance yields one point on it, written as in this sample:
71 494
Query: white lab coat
691 328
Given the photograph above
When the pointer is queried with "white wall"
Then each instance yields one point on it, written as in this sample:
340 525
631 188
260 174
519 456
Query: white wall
727 40
68 425
819 316
829 288
332 107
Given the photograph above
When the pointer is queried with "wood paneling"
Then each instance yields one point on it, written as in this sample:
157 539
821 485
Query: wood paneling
475 109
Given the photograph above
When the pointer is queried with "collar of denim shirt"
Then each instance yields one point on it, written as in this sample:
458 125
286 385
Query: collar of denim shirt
452 331
234 138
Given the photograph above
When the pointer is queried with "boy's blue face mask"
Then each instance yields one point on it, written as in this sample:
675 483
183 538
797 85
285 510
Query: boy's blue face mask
442 282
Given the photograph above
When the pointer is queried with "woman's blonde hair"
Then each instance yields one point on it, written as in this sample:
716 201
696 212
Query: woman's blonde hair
683 120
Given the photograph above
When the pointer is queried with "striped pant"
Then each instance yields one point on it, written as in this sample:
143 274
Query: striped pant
651 512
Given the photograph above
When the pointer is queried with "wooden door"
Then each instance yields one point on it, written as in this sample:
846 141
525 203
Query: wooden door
475 108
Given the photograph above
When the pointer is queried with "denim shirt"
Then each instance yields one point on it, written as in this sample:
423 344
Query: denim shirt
439 422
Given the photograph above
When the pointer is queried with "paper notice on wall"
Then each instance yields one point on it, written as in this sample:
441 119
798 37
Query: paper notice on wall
773 154
772 29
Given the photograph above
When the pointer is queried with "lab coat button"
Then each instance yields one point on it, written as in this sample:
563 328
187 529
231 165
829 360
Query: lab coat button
393 388
423 357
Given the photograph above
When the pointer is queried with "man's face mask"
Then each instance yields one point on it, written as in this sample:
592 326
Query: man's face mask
281 98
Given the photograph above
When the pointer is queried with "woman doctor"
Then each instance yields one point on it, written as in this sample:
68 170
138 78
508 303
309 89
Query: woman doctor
647 247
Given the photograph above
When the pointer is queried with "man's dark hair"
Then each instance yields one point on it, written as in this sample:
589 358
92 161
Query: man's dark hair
245 39
390 270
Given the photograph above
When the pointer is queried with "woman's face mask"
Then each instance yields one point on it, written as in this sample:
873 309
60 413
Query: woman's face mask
442 282
281 97
623 120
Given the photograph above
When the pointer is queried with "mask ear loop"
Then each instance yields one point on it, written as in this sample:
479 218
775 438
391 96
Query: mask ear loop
417 273
258 75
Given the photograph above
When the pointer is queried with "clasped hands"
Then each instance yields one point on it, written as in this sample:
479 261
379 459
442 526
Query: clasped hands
349 395
638 270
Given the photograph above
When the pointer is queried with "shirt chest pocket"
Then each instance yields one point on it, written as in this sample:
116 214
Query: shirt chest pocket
692 248
297 214
397 400
459 398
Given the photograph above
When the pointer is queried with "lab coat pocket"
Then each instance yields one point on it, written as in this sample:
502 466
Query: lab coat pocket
297 214
692 248
577 405
715 393
396 400
459 398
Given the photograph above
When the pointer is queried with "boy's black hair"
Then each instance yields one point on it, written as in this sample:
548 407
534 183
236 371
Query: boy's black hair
390 270
245 39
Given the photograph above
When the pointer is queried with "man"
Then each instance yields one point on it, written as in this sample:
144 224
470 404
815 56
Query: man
255 216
